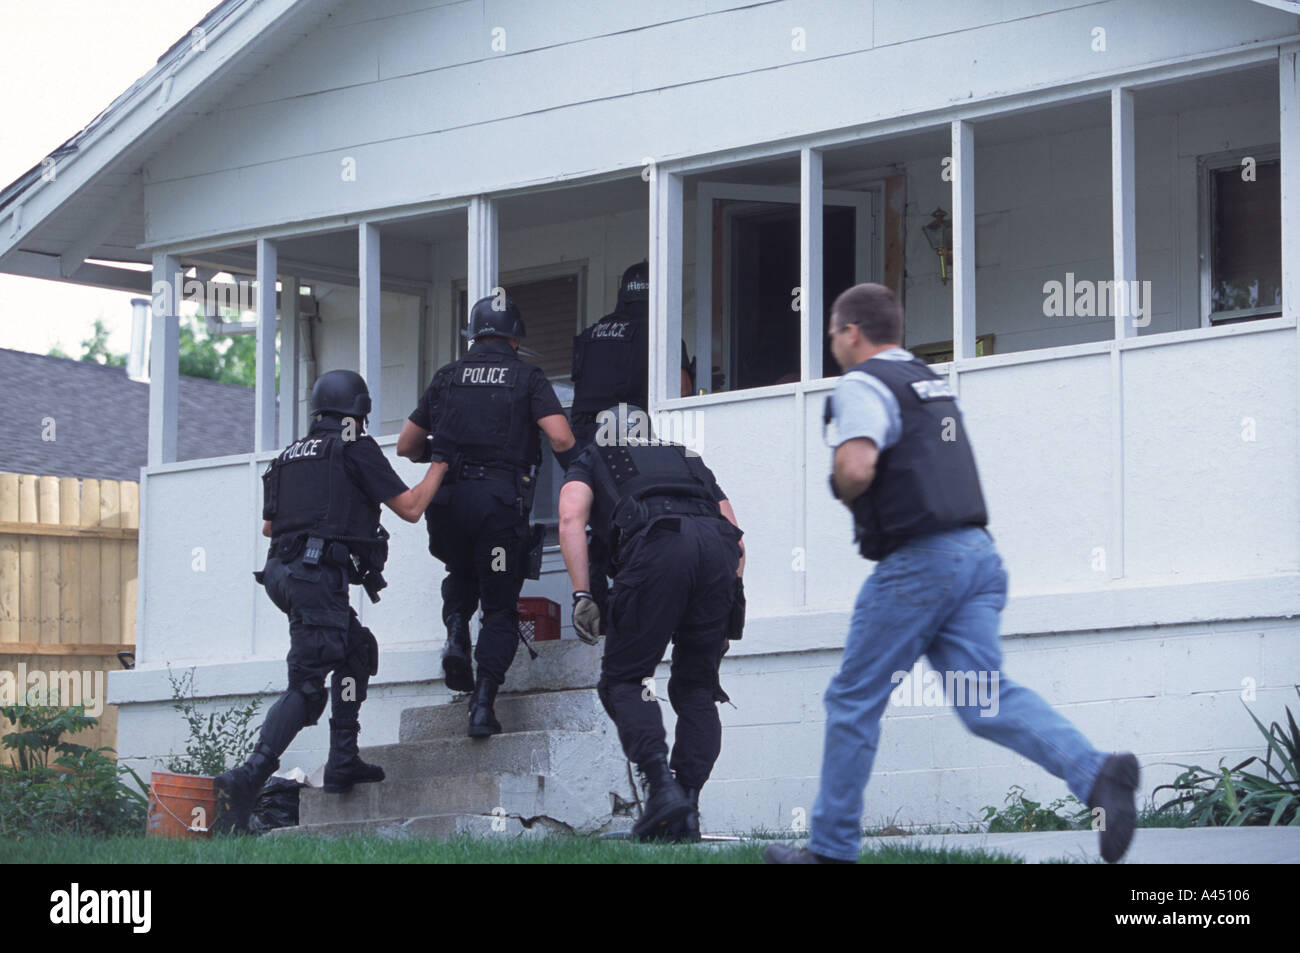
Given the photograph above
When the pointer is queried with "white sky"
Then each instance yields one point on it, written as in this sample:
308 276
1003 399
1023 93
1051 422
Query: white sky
63 61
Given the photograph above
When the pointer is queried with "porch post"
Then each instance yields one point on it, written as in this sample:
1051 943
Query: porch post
810 264
370 355
288 361
1289 145
963 242
482 248
666 288
264 374
164 358
1123 216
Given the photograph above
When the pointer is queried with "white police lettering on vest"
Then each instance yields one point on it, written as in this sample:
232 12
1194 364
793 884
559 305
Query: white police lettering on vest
483 375
303 448
615 329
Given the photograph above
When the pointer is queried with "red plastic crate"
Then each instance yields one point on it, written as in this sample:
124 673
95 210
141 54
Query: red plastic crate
539 619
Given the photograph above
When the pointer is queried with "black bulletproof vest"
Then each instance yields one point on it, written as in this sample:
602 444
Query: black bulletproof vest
638 484
610 362
306 489
485 410
927 482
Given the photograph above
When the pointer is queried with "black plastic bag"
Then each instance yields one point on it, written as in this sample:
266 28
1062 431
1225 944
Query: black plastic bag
277 806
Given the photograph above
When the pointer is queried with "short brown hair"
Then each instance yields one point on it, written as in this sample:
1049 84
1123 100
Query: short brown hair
874 309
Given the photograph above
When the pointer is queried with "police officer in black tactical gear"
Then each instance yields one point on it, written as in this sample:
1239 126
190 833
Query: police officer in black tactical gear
321 499
610 367
481 415
678 562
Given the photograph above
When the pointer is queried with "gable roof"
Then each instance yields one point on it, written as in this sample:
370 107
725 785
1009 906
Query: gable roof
45 234
99 418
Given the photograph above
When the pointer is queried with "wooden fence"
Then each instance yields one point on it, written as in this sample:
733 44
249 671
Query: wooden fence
68 551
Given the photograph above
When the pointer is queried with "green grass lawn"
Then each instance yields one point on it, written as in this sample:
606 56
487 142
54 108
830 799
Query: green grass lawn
463 850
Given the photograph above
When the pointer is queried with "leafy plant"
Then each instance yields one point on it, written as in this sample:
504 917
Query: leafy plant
1231 797
1022 814
82 792
219 740
39 728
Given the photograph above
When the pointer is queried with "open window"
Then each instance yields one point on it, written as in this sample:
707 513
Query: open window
1241 236
747 274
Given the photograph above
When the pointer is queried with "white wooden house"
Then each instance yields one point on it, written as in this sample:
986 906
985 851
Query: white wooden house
385 160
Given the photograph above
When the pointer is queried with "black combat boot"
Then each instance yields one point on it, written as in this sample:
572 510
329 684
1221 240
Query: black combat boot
237 790
688 828
482 719
345 767
457 670
666 805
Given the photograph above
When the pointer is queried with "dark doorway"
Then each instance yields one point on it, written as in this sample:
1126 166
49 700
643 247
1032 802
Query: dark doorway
765 270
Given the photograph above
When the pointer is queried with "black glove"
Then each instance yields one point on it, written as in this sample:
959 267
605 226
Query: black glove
736 621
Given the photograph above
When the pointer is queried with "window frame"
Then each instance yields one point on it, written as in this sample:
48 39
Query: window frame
1206 167
868 201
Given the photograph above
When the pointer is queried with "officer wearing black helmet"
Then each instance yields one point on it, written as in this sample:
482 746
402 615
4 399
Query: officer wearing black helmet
678 561
610 367
321 499
481 416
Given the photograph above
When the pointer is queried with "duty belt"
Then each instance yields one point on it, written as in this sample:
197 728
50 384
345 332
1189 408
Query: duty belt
655 506
486 471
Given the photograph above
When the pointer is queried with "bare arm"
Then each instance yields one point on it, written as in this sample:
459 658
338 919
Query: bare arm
575 509
556 428
411 505
730 514
266 528
410 442
855 468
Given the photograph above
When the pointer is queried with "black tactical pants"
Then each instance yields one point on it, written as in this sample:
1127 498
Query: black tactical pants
585 428
325 635
675 584
479 529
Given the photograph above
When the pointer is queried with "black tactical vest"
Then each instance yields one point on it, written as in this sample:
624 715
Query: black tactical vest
610 363
638 484
306 490
927 482
485 411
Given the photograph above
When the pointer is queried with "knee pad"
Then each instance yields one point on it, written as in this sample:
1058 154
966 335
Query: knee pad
314 697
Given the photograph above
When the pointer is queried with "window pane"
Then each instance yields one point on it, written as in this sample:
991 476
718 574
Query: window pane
1247 248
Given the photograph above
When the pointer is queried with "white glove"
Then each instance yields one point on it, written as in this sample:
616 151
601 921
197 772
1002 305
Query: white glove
586 617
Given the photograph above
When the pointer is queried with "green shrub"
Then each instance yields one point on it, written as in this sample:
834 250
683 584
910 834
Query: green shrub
82 792
219 740
1231 797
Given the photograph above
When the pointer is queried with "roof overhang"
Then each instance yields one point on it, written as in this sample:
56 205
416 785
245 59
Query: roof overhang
1290 6
86 200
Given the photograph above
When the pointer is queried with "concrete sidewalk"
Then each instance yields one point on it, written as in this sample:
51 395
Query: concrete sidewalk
1151 845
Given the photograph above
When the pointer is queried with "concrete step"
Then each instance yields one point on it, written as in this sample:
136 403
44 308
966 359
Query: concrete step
442 826
574 780
560 664
572 710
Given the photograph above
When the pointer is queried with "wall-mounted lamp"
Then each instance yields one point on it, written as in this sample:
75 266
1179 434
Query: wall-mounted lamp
938 232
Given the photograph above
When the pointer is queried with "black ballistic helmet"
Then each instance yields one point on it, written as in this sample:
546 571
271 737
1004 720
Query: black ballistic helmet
486 320
634 286
340 392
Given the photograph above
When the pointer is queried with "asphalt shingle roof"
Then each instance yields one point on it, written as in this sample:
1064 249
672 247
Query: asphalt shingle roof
101 418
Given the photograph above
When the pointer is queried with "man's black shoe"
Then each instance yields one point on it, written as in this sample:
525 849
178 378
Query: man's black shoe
482 719
345 767
1114 792
781 854
457 670
666 804
237 790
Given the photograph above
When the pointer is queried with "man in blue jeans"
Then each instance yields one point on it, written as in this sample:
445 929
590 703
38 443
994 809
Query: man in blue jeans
905 469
